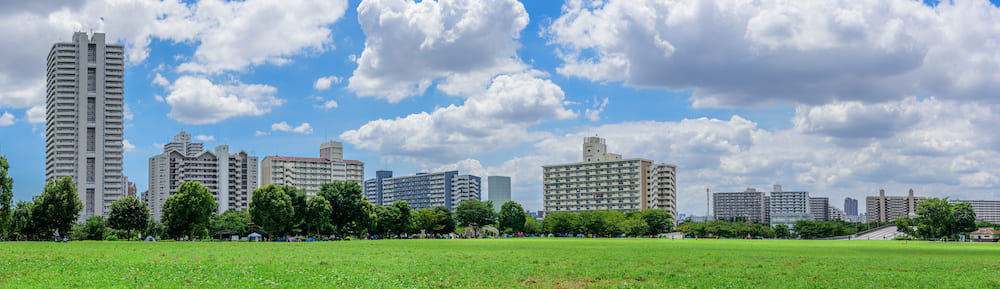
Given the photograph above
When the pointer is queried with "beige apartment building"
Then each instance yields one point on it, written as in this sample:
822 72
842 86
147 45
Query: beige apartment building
311 173
884 208
606 181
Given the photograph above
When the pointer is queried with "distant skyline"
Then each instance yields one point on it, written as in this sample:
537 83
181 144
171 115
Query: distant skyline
838 99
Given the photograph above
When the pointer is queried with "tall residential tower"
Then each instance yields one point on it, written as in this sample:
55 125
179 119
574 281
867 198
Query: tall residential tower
84 118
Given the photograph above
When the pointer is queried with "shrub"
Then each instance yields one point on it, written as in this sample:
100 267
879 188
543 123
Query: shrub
111 237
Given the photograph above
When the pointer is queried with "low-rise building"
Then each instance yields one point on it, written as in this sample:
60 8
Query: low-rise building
985 235
310 173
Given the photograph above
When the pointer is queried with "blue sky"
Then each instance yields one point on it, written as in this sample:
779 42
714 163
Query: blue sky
840 99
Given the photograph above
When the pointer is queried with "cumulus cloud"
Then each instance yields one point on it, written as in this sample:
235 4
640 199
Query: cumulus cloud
595 114
226 35
330 104
128 146
161 81
204 138
36 114
6 119
261 133
751 53
409 45
323 83
498 118
196 100
304 128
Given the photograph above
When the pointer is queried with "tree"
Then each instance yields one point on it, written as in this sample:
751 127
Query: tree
561 223
6 196
154 228
531 226
905 225
129 214
659 221
350 211
403 224
436 220
57 207
318 212
21 221
299 208
95 228
939 218
511 217
475 213
232 220
271 209
189 211
964 219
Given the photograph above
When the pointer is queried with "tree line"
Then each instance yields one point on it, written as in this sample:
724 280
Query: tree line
609 223
805 229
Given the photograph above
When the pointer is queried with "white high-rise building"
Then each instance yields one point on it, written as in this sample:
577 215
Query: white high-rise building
788 207
606 181
311 173
84 119
230 177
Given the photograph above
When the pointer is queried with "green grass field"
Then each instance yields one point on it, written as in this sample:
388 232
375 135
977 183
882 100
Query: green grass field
539 263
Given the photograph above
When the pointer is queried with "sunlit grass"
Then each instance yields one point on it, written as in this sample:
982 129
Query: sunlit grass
541 263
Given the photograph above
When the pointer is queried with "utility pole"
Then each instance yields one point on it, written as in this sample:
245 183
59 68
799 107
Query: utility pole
707 206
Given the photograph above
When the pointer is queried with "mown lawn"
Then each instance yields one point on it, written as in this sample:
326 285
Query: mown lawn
539 263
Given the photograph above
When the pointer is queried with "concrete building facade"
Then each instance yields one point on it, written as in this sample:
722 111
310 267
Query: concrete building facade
84 119
788 207
373 187
498 190
986 211
426 190
884 208
606 181
310 173
748 206
819 208
230 177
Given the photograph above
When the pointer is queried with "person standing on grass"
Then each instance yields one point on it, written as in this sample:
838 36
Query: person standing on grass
56 235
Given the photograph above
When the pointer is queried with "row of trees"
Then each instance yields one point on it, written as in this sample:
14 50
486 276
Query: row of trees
939 218
804 228
609 222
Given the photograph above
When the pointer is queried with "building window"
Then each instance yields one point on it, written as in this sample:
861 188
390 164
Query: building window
90 170
91 80
91 143
91 109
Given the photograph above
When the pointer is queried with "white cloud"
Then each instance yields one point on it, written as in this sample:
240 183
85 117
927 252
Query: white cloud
261 133
6 119
128 113
128 146
204 138
330 104
595 114
497 119
161 81
323 83
752 53
36 114
409 45
196 100
304 128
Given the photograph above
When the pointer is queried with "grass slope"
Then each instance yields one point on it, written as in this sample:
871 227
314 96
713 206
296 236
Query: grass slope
540 263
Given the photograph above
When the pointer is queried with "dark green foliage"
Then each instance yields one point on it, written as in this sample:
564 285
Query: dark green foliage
350 211
475 213
659 221
155 228
531 225
189 211
728 229
938 218
128 214
56 208
231 220
561 223
95 228
6 197
21 221
511 217
317 218
436 220
271 209
299 209
394 220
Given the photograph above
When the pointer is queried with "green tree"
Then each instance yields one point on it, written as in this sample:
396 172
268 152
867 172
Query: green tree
936 218
95 228
403 223
232 220
271 209
21 221
561 223
511 217
57 207
436 220
299 208
6 197
154 228
964 219
659 221
531 225
318 214
475 213
189 211
129 214
350 211
905 225
634 227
